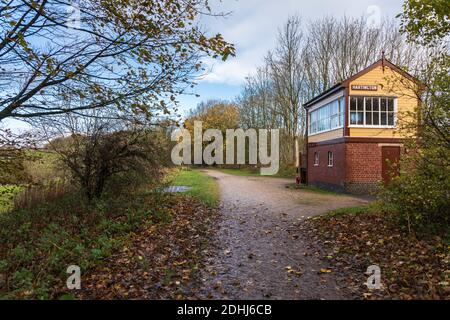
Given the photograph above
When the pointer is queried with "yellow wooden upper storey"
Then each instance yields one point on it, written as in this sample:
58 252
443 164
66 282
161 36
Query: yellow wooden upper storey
390 83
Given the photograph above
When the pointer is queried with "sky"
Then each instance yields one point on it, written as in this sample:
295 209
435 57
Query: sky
252 26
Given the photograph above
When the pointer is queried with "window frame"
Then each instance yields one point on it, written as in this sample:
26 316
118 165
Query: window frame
318 119
316 157
330 158
364 111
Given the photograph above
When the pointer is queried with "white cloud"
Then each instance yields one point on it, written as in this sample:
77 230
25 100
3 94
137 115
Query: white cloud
253 26
234 70
16 126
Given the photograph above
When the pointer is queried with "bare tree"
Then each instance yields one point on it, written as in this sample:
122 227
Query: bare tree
95 147
337 49
288 78
256 103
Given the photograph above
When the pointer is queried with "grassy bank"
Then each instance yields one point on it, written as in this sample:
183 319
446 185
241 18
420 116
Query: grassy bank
39 168
203 187
38 244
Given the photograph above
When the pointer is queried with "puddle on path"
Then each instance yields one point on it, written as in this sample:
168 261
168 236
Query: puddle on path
174 189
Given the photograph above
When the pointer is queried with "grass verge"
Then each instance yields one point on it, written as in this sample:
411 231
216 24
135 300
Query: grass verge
247 172
347 211
203 187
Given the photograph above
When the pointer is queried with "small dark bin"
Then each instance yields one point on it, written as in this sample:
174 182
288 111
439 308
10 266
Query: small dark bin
303 175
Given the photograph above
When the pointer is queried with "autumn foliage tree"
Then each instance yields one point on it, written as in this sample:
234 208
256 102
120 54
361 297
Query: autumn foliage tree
214 114
81 58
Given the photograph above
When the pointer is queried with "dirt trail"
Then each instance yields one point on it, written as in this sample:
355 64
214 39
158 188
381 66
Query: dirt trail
259 252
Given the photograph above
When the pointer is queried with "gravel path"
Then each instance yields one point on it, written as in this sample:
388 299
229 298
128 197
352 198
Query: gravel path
259 251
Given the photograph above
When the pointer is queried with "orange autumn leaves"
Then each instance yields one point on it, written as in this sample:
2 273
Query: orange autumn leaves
220 115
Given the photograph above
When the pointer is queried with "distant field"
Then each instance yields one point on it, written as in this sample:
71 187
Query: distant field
41 168
203 186
7 193
44 166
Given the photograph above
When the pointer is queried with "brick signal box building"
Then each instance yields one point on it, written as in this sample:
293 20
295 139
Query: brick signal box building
354 136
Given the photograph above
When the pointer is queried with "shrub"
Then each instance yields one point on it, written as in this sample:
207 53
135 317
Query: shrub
420 197
421 193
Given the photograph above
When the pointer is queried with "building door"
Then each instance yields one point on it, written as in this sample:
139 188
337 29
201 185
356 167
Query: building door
390 166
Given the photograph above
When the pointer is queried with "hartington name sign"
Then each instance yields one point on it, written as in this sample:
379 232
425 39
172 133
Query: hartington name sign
364 87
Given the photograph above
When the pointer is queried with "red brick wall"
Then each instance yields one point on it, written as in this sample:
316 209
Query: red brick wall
363 162
322 175
363 167
357 167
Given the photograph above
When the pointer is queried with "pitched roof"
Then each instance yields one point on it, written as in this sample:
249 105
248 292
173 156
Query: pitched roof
343 84
324 94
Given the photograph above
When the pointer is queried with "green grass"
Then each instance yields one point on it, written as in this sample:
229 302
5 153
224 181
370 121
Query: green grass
241 172
314 190
247 172
351 211
39 167
202 186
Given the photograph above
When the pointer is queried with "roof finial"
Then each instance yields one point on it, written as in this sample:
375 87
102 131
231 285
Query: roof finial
382 60
382 55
